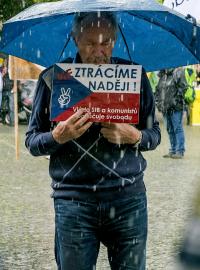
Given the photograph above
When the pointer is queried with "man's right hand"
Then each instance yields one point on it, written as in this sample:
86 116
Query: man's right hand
72 128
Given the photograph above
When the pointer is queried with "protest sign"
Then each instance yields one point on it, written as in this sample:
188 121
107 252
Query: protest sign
111 93
185 7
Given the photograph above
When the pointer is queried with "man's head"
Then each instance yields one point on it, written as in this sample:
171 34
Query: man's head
95 35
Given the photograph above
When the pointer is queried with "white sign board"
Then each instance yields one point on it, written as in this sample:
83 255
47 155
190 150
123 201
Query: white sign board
185 7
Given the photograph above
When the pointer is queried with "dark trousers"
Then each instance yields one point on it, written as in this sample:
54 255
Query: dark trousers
121 225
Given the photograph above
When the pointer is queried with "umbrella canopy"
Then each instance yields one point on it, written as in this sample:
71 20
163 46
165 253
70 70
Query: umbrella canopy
150 34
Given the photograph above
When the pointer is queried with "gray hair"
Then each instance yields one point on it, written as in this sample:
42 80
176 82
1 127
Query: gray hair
84 19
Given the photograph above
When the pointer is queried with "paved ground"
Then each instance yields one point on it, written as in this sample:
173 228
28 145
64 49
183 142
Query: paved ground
26 212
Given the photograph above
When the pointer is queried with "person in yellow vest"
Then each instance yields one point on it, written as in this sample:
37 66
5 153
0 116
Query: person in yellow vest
197 75
190 76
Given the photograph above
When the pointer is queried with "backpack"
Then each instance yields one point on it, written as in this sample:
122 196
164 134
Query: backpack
190 94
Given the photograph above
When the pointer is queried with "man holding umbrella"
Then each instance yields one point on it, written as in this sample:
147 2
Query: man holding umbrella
96 168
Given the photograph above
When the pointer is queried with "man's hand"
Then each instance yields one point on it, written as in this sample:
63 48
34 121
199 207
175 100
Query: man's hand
120 133
72 128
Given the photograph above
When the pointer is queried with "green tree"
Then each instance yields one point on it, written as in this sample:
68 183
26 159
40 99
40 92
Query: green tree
10 8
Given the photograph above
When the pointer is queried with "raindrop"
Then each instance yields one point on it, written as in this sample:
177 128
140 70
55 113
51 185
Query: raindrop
70 53
124 49
133 46
94 188
150 122
133 18
100 38
23 4
112 212
140 167
20 45
99 14
30 32
151 26
131 254
38 53
46 110
131 222
98 24
148 145
23 34
122 152
136 259
123 182
114 165
165 18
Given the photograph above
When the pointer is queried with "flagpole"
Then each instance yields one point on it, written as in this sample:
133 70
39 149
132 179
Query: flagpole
16 119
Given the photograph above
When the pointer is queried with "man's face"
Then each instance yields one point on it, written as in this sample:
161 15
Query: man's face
95 43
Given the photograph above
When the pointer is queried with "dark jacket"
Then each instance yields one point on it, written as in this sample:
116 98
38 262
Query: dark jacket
170 90
8 84
90 166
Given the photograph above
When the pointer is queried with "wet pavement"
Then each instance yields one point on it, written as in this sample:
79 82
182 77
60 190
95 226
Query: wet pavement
27 216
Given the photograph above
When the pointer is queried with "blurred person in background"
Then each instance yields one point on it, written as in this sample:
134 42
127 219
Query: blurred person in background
8 85
169 97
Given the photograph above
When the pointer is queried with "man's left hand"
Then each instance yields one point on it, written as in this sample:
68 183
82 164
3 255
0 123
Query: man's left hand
120 133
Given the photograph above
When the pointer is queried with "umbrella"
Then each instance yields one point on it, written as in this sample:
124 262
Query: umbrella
149 34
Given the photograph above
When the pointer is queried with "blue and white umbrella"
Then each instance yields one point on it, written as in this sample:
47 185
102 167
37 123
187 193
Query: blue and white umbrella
149 34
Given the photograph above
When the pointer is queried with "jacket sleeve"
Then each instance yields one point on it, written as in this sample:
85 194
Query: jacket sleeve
39 139
148 124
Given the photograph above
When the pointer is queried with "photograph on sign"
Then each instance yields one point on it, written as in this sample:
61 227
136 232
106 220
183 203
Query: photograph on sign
109 92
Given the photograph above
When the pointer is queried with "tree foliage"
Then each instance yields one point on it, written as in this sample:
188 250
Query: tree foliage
10 8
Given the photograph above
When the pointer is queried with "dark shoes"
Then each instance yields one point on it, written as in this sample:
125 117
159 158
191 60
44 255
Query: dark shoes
177 156
174 156
169 155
